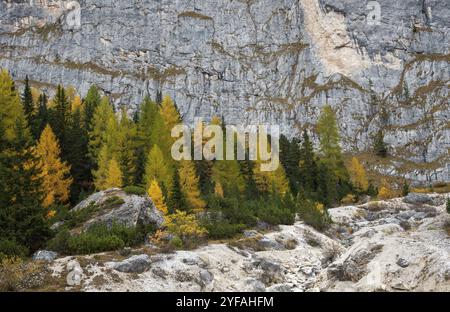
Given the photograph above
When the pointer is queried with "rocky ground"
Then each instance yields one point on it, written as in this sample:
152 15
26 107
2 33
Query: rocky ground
397 245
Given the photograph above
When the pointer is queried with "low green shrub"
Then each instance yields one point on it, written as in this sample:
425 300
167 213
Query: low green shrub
10 248
135 190
313 213
223 230
59 243
176 242
448 205
112 202
88 243
98 238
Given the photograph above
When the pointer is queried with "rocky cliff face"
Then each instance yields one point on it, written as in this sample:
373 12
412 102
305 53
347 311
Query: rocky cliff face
256 61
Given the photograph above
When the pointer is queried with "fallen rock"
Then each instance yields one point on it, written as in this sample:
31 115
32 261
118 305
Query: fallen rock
269 244
206 277
250 233
45 255
271 271
417 199
401 262
254 285
134 264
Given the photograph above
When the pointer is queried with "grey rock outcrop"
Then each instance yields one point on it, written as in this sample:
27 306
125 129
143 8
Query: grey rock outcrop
277 61
45 255
134 264
417 198
114 205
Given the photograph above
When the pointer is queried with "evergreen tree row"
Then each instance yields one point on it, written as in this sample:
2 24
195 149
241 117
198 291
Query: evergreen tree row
54 152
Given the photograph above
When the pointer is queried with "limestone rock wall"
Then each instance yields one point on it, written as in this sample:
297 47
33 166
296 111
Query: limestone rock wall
255 61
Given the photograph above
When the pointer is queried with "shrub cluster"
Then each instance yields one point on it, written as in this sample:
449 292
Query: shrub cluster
98 238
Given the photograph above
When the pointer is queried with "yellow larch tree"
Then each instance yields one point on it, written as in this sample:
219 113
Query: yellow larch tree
55 174
76 103
358 175
169 113
157 197
218 190
157 168
189 184
114 177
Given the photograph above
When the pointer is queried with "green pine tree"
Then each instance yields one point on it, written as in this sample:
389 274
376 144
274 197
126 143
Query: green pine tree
27 102
307 165
42 117
61 117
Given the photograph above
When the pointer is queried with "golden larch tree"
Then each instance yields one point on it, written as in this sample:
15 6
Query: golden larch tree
358 175
189 184
218 190
169 113
157 197
157 168
114 177
55 174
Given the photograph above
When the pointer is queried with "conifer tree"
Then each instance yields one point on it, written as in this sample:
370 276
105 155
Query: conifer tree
27 101
77 154
60 121
42 117
307 165
101 173
358 175
102 119
13 122
157 169
176 199
251 190
114 177
150 132
291 165
126 148
329 141
170 117
22 218
76 104
218 190
54 173
169 113
91 102
228 174
108 152
327 183
157 197
270 181
190 187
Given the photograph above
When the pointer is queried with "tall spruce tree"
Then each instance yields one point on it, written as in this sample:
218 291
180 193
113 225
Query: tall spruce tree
77 154
126 148
27 102
61 117
22 218
42 117
307 165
